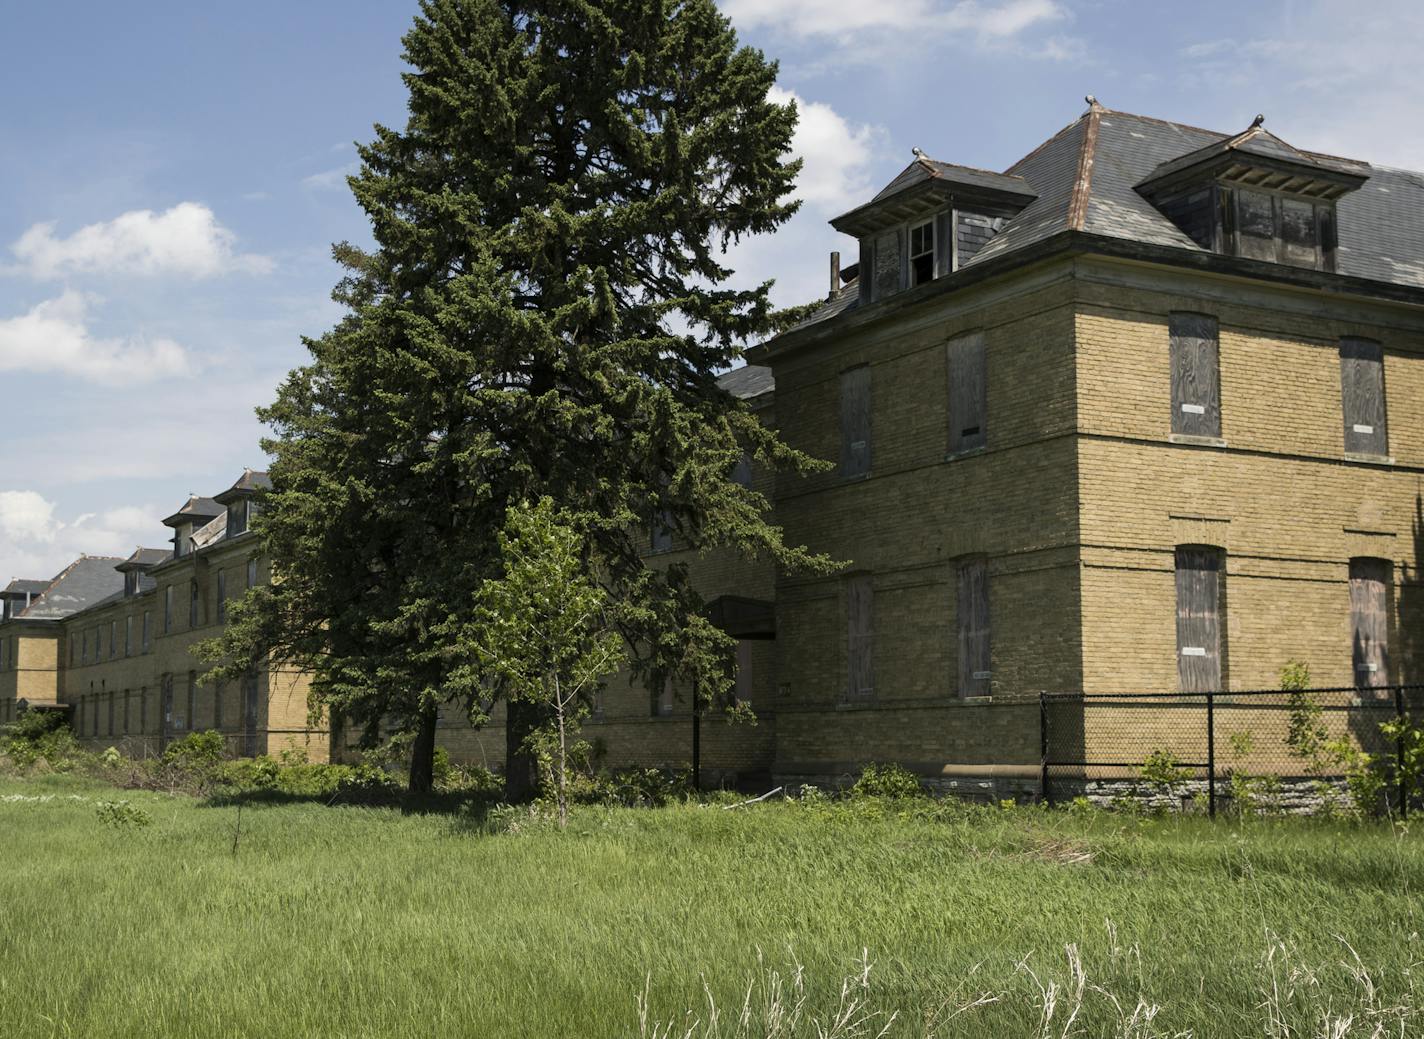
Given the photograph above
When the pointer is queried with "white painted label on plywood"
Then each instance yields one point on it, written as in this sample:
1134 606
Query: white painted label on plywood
1193 651
981 674
1360 427
1371 667
1193 409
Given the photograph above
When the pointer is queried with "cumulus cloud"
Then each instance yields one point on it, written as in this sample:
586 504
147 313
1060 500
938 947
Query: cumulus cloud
812 18
54 336
186 240
37 544
836 155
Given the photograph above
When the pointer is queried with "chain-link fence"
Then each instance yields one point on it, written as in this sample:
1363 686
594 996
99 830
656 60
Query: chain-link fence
1269 750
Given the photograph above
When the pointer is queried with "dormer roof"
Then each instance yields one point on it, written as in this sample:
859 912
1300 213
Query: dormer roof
928 184
144 559
196 511
249 483
1258 158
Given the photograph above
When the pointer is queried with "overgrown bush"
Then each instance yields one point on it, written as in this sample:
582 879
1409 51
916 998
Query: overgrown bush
39 736
891 782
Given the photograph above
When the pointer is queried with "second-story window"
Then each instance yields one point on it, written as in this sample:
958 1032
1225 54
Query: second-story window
1196 375
855 422
128 635
167 609
1362 397
113 639
252 572
147 631
222 597
193 600
922 253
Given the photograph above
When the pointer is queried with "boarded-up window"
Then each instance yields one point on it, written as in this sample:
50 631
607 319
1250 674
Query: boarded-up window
167 609
217 706
143 709
1196 376
860 637
249 714
1200 578
1369 621
1362 396
968 393
165 707
193 700
743 691
128 711
889 261
972 623
662 698
252 572
110 698
222 597
128 635
147 631
742 472
113 639
661 531
855 422
1298 233
193 600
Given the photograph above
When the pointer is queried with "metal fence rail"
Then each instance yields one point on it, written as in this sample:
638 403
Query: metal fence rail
1290 748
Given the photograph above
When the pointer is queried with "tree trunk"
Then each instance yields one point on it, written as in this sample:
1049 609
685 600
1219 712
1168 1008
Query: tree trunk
422 754
521 783
563 762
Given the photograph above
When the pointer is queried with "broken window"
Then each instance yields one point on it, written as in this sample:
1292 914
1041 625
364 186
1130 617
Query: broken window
1196 376
860 638
972 623
1362 396
1200 583
1369 621
855 422
968 393
1256 225
922 253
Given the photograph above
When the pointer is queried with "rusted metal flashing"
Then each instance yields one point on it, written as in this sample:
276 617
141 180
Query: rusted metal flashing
1083 182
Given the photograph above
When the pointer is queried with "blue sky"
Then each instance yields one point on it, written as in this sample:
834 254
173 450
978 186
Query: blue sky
172 178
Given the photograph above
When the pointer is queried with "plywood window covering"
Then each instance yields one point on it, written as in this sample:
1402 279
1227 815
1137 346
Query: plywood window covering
742 472
252 572
1196 375
860 637
147 630
222 597
217 706
128 635
83 702
167 609
143 709
743 690
1362 396
193 598
968 393
922 253
972 623
660 535
249 714
110 698
662 699
128 711
193 700
165 707
94 702
1200 584
855 422
1369 621
887 274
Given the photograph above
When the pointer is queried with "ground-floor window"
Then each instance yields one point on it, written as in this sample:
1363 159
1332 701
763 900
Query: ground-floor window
1369 621
1201 587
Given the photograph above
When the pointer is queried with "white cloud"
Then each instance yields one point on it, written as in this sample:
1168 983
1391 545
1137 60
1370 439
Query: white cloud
26 516
35 544
186 240
328 180
54 336
836 156
820 18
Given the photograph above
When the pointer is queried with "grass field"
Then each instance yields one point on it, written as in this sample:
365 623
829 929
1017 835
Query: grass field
367 922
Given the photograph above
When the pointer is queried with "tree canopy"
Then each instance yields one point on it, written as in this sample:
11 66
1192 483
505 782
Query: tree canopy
544 313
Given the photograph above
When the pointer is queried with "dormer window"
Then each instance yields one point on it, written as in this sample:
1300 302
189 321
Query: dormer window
237 518
131 583
922 253
182 540
1279 229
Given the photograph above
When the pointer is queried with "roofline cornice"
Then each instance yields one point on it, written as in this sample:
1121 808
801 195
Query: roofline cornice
1070 243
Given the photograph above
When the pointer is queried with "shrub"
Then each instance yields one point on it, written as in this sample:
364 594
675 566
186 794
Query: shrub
198 753
122 815
39 735
892 782
1162 772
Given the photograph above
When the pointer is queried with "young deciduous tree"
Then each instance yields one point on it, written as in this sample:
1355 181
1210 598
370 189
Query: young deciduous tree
544 313
546 627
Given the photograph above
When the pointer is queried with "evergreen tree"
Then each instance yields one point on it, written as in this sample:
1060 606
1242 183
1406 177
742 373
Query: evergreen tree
544 315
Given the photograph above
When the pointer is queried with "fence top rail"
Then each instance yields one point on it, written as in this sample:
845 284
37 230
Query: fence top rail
1236 694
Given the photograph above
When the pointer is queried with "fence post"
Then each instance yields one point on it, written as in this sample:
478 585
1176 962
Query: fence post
1211 755
1043 791
1399 753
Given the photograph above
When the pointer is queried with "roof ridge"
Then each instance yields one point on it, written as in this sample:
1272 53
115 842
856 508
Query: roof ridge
1043 145
1083 181
972 169
1166 122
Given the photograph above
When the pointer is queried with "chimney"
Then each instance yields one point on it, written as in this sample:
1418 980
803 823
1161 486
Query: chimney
835 275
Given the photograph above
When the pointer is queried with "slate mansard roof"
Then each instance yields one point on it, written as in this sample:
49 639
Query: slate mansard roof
1089 178
85 582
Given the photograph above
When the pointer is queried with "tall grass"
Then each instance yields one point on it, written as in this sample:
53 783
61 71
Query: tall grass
689 921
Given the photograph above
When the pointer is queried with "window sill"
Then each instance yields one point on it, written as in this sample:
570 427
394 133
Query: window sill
1195 441
857 478
968 452
1351 456
860 704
